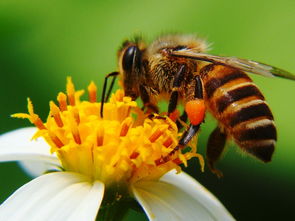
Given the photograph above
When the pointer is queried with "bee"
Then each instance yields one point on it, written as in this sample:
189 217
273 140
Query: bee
177 68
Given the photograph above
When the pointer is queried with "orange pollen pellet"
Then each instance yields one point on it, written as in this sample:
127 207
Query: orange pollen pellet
168 142
195 110
56 140
92 92
134 155
156 135
124 130
62 100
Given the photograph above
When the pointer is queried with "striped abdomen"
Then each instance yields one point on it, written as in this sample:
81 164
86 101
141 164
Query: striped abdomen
238 105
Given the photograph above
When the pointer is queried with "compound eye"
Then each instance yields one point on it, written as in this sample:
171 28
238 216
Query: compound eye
131 58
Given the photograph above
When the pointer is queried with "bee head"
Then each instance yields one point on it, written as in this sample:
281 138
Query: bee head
130 65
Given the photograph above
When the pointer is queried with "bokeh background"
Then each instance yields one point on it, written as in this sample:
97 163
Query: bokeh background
42 42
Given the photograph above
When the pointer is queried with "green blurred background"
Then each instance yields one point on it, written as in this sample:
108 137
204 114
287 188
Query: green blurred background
42 42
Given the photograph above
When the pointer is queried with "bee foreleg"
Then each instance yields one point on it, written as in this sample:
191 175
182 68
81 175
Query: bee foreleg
103 98
147 104
215 147
178 78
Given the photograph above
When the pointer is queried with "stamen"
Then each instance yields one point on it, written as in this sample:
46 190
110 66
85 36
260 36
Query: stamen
76 137
155 135
99 136
71 91
125 126
160 161
92 92
56 114
75 130
34 118
177 161
174 115
76 115
38 122
134 155
62 100
55 140
168 142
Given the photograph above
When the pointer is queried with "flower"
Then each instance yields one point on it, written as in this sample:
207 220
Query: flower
100 163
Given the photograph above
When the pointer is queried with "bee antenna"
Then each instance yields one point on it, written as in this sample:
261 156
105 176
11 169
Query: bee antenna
103 97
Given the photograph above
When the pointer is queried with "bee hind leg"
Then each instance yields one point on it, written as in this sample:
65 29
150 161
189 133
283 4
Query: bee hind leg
215 148
195 110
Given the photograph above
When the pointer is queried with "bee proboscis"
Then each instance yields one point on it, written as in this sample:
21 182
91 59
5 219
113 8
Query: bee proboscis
176 68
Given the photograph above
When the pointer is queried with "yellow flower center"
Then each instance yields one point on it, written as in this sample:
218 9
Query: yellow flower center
122 147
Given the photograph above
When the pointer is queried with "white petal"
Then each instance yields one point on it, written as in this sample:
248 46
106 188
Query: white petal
17 145
179 197
55 196
37 168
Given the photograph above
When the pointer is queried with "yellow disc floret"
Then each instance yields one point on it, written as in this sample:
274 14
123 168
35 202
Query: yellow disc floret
121 147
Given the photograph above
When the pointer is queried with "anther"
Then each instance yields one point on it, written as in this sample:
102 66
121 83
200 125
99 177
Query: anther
174 115
168 142
76 135
177 161
75 130
99 136
134 155
62 101
76 115
125 127
156 135
56 114
92 92
55 140
71 91
38 122
34 118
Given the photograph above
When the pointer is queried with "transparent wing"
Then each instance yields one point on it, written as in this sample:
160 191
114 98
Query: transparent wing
242 64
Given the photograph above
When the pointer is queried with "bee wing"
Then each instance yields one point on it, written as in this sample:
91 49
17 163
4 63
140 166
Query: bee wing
242 64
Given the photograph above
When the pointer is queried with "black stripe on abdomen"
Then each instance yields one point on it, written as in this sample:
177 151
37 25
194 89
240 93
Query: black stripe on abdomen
216 82
264 132
237 94
250 112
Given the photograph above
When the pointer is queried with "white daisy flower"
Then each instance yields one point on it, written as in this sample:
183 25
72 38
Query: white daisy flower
98 166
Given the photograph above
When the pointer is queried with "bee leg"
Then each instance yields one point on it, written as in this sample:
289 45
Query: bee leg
178 78
195 110
147 104
103 98
215 147
181 120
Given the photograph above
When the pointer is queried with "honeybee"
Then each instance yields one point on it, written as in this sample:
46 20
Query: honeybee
176 68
